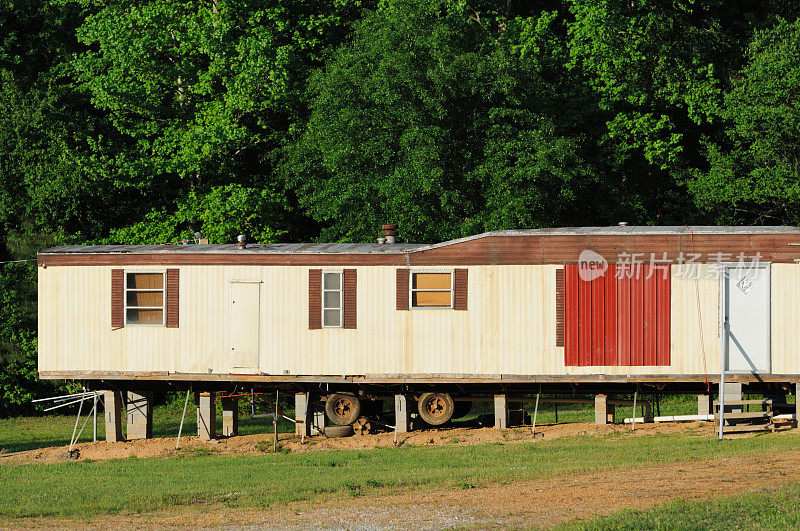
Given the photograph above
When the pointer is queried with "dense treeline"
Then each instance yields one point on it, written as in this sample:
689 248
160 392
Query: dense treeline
145 121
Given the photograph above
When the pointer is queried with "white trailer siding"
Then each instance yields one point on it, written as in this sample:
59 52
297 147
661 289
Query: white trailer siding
508 328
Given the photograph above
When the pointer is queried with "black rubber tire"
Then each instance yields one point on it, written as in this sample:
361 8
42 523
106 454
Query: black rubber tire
462 409
342 409
333 432
435 408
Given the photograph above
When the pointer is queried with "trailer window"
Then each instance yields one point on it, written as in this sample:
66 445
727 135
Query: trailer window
332 300
431 290
144 298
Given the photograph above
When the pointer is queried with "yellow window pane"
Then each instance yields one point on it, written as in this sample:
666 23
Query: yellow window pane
431 281
145 316
145 281
422 299
145 298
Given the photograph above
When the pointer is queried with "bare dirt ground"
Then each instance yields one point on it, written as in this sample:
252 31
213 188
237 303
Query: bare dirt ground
541 503
254 444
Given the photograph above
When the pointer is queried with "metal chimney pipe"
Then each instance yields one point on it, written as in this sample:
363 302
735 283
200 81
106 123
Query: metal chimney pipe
390 232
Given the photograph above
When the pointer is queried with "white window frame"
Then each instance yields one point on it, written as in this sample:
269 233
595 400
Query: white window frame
411 289
341 299
163 290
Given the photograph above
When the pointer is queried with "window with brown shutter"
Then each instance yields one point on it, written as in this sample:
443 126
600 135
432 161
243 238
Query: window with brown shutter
332 300
402 289
117 298
431 289
560 307
144 298
173 287
460 277
314 299
349 296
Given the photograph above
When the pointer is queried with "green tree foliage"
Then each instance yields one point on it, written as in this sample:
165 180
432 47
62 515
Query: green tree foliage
446 120
754 173
144 121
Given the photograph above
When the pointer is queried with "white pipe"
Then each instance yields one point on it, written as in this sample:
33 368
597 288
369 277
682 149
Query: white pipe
80 400
73 443
180 428
63 397
723 350
78 418
689 418
672 418
94 411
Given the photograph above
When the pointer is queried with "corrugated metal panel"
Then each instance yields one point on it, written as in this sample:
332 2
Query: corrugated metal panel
619 321
664 296
572 315
612 318
650 320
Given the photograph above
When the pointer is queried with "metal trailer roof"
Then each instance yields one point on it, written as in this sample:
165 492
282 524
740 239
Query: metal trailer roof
401 248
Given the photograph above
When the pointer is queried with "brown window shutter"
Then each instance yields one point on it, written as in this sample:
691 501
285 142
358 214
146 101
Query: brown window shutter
349 297
173 290
314 299
117 298
560 307
402 289
460 287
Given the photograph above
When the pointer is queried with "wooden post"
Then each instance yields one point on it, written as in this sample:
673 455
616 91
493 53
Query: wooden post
207 416
140 415
500 412
112 402
230 416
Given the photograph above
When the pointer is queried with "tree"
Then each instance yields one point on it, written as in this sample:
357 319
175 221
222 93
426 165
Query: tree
754 171
204 93
447 120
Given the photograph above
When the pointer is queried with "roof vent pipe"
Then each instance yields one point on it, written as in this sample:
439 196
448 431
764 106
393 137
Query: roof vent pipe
381 241
390 232
241 241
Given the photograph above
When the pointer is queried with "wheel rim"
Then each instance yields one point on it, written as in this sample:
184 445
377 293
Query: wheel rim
342 407
435 406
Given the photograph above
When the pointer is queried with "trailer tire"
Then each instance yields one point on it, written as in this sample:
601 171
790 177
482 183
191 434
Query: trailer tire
342 409
333 432
435 408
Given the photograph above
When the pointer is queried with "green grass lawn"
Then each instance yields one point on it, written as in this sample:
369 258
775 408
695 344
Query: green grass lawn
773 508
83 488
28 433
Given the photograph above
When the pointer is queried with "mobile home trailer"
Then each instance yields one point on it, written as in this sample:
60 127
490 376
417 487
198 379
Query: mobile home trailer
594 309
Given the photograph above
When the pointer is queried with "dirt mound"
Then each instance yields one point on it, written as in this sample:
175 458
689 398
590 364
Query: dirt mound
257 444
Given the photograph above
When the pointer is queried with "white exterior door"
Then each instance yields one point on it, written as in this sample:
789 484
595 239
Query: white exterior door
746 297
245 312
